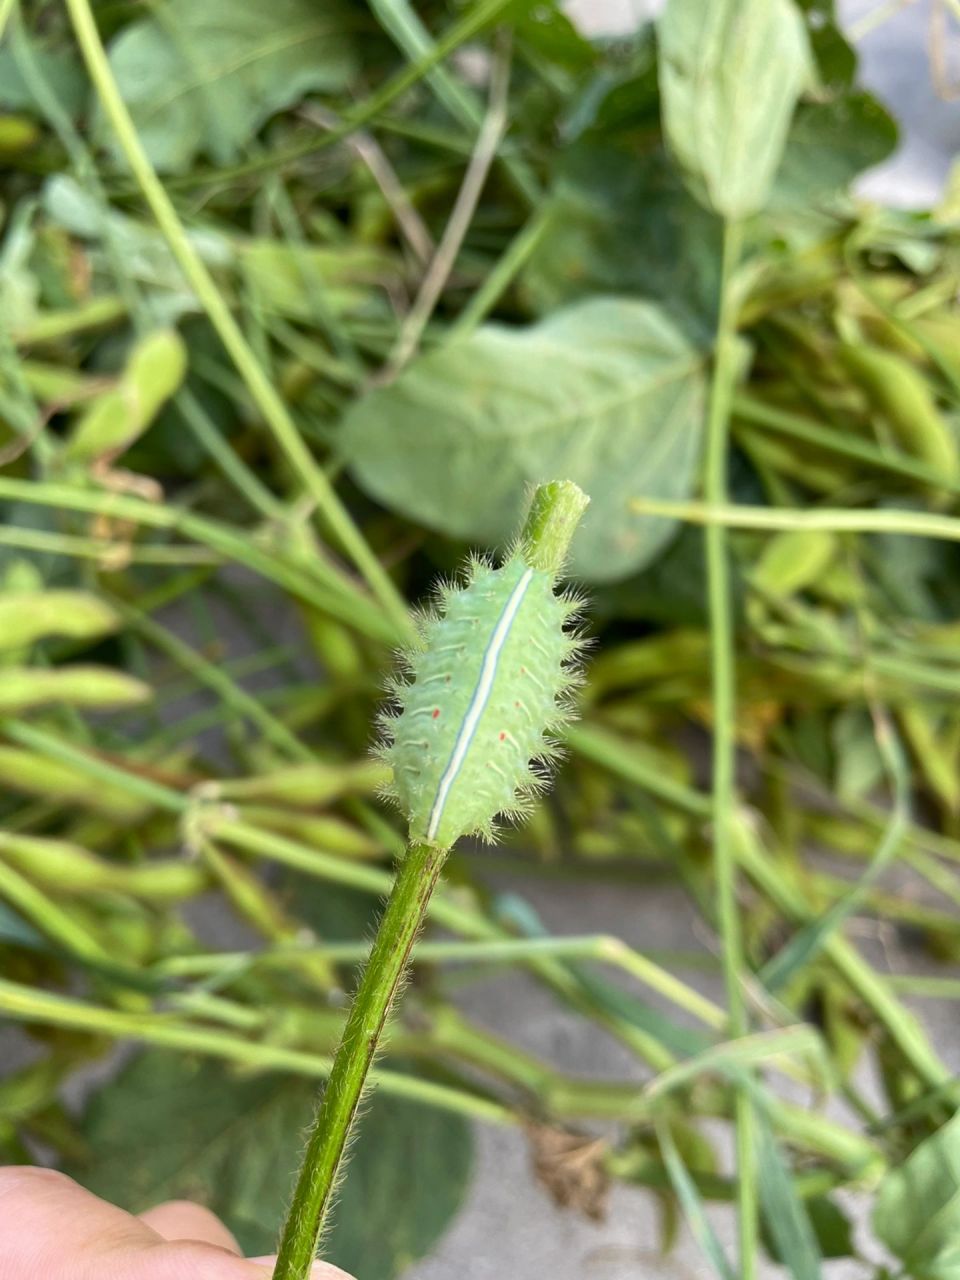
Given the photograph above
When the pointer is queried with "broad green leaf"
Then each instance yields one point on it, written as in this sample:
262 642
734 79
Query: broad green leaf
171 1126
829 144
835 58
61 71
731 72
620 225
917 1210
203 77
608 392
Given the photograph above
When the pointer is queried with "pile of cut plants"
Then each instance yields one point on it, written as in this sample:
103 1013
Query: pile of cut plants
298 305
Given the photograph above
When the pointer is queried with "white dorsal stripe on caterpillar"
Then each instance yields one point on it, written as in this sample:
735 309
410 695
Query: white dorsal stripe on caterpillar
478 703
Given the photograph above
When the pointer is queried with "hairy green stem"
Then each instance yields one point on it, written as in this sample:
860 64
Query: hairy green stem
381 980
723 679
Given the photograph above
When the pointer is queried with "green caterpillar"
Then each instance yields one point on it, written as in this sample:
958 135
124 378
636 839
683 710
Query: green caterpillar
488 689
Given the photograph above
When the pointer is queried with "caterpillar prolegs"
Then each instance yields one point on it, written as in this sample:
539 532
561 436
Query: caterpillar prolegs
488 689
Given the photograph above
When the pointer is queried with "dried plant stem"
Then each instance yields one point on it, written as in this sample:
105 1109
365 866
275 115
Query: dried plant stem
381 980
437 274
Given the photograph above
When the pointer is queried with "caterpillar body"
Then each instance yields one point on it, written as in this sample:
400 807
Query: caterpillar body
488 690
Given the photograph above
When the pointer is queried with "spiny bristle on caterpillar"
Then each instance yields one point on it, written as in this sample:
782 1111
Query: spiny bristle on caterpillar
486 690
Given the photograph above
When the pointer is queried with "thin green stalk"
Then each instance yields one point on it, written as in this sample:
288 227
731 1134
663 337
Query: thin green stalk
102 549
603 948
31 1005
318 585
723 682
6 9
400 21
499 278
720 514
218 679
402 921
750 409
58 925
921 984
243 478
54 326
614 754
261 389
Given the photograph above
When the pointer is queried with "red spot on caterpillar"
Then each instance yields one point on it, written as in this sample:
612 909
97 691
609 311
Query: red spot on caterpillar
523 671
502 736
517 703
436 712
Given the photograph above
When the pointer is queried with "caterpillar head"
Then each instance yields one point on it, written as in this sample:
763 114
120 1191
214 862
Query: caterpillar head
479 713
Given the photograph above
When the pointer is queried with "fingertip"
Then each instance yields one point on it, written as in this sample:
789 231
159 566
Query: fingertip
184 1220
319 1271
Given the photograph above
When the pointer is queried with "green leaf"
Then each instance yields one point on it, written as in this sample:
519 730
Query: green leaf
917 1210
60 69
730 76
691 1201
205 77
607 392
619 226
834 56
829 145
830 1224
171 1126
785 1215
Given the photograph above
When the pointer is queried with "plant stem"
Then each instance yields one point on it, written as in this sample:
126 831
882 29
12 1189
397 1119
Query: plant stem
315 583
382 977
723 678
723 515
614 753
749 408
438 272
261 389
504 271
